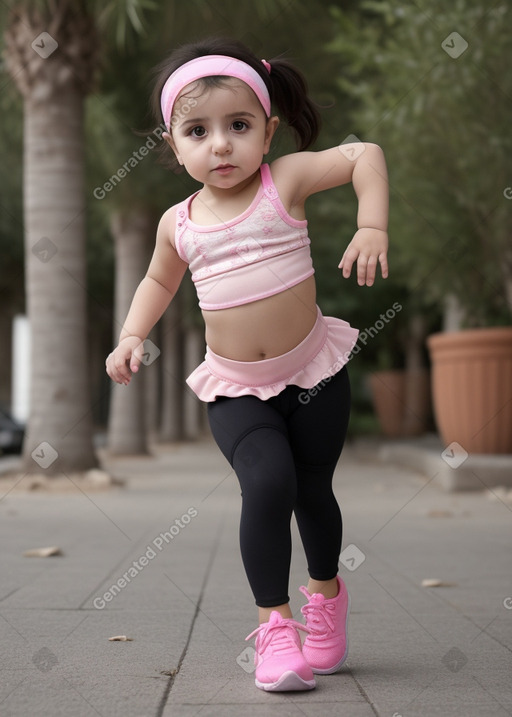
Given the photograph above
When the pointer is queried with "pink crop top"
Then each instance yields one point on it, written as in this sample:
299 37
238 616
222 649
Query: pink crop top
260 253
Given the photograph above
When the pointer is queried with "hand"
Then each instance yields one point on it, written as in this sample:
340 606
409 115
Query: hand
125 359
368 247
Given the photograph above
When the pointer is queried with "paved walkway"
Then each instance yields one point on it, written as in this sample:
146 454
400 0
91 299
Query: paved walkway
157 561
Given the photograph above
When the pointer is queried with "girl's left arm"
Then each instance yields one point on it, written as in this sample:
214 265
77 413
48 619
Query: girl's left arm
364 165
369 245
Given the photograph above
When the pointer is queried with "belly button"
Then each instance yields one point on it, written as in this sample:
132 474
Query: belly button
262 355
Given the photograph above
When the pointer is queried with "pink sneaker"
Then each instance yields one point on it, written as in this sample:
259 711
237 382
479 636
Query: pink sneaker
280 664
326 646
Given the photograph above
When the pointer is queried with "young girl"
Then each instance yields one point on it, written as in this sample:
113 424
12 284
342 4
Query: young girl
274 376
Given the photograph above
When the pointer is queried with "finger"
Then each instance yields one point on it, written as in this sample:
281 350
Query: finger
362 264
114 375
111 369
117 369
349 257
371 268
121 370
137 357
119 378
383 260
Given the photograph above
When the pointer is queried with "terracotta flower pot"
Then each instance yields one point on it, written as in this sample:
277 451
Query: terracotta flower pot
401 400
388 395
472 388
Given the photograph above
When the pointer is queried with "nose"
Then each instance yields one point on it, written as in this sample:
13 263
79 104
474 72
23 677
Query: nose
220 143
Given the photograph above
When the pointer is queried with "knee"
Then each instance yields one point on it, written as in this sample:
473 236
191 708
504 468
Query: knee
266 468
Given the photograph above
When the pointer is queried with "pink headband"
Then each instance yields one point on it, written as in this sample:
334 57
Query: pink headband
209 66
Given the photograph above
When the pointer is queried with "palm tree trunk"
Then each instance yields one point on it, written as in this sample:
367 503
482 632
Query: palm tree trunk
194 410
417 409
153 384
54 207
173 380
127 417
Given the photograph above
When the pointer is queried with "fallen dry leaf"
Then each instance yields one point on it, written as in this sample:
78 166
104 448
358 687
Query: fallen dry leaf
120 638
42 552
435 583
170 673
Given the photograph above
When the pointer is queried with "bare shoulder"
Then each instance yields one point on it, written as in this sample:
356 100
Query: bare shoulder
301 174
288 174
167 226
287 170
166 266
297 176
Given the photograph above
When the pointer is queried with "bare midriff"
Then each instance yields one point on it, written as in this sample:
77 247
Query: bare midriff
266 328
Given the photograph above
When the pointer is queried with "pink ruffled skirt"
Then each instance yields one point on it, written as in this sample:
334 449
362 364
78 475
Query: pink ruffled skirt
324 351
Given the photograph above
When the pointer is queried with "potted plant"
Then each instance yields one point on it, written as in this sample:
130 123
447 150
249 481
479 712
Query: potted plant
445 128
400 387
472 388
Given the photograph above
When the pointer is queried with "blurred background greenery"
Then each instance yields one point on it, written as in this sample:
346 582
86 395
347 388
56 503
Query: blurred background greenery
387 72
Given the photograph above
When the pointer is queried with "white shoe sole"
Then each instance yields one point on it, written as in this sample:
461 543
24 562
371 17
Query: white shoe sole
288 682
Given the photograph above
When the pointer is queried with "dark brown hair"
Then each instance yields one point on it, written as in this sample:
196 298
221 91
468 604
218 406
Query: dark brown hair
286 84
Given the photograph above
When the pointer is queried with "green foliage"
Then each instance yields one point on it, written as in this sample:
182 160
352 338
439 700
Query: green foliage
125 19
442 114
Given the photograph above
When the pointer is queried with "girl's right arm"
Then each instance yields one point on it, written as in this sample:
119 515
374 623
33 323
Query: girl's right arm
151 299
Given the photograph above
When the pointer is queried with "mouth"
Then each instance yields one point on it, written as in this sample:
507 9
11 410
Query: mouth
223 168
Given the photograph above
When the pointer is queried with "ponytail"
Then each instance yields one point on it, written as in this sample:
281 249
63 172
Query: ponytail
289 92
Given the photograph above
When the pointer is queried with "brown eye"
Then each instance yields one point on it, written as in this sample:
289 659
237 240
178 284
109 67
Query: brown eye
198 131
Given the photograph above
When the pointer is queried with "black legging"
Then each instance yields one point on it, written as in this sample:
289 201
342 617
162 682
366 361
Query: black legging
284 452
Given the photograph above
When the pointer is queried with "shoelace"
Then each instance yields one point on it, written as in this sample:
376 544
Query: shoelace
270 633
318 617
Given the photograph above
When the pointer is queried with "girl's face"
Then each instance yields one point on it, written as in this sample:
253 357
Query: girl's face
222 139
